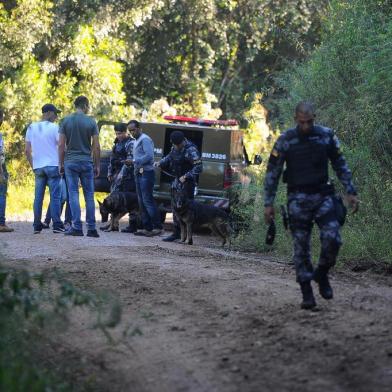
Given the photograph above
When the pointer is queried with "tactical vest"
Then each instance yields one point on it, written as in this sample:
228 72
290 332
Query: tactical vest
307 161
119 154
180 165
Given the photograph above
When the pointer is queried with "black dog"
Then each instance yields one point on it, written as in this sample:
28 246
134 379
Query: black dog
117 204
190 213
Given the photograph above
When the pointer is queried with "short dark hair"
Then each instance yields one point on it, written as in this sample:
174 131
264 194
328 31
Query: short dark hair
120 127
305 107
177 137
135 123
81 102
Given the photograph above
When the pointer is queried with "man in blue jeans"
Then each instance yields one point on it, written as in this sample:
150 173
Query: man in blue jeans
3 183
41 151
143 161
78 138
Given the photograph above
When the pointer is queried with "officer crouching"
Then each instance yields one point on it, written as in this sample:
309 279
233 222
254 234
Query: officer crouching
184 163
306 150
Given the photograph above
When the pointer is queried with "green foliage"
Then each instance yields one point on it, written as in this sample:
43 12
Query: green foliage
349 79
29 303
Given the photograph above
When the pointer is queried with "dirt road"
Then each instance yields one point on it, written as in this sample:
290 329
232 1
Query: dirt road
211 320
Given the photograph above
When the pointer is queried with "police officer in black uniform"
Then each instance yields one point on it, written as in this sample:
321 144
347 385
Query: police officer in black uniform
120 170
305 152
184 162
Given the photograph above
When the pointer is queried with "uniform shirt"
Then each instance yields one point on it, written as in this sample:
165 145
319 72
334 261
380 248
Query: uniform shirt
44 139
121 151
79 130
278 158
191 158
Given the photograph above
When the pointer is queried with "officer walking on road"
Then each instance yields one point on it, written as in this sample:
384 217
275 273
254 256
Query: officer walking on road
306 150
184 163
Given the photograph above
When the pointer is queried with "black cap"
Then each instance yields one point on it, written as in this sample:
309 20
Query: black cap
49 107
177 137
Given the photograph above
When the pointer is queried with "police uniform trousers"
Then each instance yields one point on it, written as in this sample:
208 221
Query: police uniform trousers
304 209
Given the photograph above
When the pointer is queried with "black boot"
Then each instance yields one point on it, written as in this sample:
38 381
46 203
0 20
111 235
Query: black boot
308 301
321 277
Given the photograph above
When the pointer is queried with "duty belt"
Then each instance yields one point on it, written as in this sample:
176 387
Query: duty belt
325 189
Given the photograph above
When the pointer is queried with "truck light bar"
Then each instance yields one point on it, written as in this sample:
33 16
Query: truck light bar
200 121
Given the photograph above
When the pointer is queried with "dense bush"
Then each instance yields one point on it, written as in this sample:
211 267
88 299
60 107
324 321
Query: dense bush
349 78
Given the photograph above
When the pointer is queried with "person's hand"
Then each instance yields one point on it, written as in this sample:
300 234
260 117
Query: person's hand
182 179
269 214
96 171
61 170
353 202
128 162
156 164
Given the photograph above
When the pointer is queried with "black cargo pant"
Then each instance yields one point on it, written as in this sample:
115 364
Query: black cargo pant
305 209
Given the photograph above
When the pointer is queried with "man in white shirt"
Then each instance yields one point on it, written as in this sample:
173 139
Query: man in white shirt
42 139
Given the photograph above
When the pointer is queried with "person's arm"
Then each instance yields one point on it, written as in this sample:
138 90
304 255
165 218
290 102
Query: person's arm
271 181
61 149
193 156
343 172
29 154
96 155
165 162
1 154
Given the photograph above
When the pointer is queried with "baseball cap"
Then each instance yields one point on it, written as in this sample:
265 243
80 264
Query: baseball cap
49 107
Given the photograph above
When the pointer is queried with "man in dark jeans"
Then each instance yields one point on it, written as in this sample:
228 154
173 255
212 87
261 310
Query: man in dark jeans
64 201
143 160
78 138
41 152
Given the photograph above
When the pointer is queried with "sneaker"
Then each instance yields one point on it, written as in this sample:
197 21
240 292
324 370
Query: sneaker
73 232
172 237
37 231
59 230
6 229
45 225
92 233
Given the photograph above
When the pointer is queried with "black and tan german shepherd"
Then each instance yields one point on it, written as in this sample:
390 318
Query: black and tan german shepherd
190 213
117 204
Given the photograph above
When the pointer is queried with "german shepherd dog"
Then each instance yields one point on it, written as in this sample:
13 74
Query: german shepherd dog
190 213
117 204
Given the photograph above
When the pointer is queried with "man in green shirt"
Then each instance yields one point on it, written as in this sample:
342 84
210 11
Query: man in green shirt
79 155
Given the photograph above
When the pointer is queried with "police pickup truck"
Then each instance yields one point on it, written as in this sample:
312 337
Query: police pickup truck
222 150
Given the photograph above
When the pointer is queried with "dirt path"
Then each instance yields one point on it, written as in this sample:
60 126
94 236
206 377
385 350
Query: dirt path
212 320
